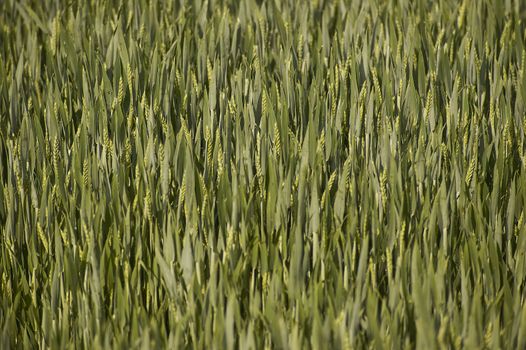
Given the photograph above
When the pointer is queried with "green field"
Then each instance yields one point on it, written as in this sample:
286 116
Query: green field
251 174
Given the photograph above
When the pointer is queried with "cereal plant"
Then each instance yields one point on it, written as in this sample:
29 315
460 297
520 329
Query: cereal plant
253 174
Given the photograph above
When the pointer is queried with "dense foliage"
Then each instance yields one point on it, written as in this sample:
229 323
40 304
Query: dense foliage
251 174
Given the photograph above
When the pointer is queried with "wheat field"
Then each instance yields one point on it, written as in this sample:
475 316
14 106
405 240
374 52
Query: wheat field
253 174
